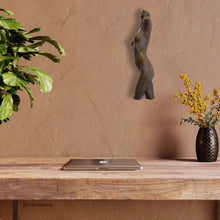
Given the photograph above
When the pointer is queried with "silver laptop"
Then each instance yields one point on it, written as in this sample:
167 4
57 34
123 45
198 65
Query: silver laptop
102 164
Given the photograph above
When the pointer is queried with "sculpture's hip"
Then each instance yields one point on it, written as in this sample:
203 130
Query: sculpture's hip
144 65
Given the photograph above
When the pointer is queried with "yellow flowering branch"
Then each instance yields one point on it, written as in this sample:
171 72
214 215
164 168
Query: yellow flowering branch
198 105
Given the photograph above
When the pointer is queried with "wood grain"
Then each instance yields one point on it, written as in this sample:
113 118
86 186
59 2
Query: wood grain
6 210
41 178
117 210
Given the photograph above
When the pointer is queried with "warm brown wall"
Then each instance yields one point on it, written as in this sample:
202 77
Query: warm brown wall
90 111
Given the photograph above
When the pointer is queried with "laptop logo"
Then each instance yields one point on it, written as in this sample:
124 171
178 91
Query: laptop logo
102 162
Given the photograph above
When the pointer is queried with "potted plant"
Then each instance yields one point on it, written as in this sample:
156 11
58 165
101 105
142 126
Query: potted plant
17 43
207 115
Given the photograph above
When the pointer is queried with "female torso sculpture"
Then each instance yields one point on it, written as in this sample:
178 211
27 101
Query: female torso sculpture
140 45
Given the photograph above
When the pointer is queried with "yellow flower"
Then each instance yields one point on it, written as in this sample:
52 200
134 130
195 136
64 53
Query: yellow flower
182 76
216 95
215 91
198 105
212 101
207 97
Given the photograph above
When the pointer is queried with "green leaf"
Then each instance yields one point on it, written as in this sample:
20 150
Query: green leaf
5 87
34 30
9 23
28 56
30 95
21 29
24 49
49 40
17 37
3 58
23 32
16 102
11 79
3 49
190 120
214 106
31 78
30 48
45 80
2 66
50 56
208 113
6 107
9 12
38 44
3 38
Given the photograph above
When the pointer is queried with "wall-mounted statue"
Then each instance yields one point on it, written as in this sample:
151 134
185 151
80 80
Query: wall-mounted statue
140 45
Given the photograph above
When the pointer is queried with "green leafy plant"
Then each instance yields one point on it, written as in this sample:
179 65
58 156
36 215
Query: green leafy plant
17 43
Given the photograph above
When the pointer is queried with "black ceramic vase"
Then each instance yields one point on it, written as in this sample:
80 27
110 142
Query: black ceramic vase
207 145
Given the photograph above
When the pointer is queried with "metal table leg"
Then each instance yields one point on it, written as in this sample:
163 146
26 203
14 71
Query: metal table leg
15 209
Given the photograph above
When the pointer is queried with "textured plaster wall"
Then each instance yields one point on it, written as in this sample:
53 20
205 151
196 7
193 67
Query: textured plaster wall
90 111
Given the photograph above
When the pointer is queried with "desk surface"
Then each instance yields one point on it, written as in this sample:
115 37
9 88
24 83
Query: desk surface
160 179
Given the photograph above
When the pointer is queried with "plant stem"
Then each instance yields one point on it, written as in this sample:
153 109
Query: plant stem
14 63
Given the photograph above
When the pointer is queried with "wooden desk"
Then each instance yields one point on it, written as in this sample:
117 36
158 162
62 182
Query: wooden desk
42 179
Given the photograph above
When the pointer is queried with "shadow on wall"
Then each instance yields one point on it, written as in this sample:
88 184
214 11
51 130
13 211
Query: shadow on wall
167 146
163 125
130 55
167 140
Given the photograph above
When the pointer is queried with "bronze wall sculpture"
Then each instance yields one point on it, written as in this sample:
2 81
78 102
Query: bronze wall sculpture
140 45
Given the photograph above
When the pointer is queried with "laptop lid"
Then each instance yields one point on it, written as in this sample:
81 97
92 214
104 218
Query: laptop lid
102 164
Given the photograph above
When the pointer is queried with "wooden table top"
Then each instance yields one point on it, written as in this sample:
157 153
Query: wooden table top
160 179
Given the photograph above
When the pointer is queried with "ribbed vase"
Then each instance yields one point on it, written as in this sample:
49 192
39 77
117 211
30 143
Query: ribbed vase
207 145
